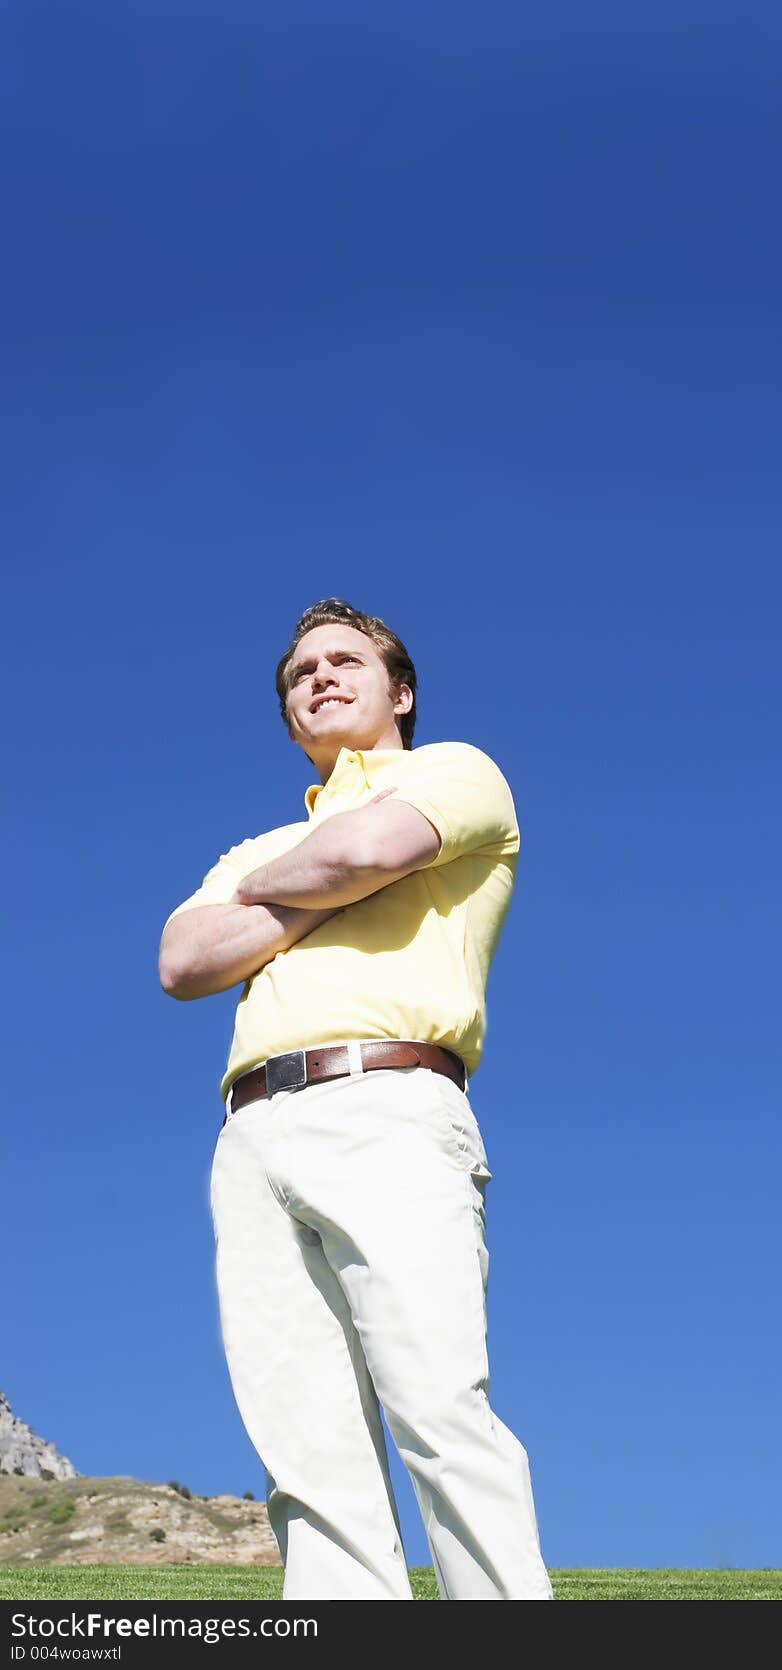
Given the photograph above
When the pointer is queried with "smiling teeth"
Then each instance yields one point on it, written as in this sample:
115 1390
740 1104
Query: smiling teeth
333 701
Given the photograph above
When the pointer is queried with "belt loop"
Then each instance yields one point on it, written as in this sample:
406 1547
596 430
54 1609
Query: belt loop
355 1059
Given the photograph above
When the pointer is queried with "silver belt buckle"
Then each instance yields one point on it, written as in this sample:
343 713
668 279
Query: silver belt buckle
286 1072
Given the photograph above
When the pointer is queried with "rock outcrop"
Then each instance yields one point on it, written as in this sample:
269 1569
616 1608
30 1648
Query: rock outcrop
22 1452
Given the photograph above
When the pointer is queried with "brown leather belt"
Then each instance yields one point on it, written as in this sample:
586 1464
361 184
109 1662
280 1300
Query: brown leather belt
330 1061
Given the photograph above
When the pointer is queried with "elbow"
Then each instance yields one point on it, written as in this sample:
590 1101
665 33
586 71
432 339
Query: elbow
172 977
168 979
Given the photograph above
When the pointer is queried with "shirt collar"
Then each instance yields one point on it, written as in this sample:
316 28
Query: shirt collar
348 760
328 790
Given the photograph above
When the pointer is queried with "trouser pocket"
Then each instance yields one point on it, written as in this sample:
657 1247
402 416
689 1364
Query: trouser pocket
459 1127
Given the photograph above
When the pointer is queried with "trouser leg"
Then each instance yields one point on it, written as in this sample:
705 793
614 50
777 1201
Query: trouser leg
300 1379
390 1170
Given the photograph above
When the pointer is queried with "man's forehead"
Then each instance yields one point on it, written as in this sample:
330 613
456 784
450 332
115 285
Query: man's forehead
332 640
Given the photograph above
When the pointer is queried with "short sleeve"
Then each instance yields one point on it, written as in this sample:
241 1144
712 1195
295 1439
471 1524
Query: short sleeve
220 883
465 796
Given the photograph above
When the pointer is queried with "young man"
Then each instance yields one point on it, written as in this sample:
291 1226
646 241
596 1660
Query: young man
349 1178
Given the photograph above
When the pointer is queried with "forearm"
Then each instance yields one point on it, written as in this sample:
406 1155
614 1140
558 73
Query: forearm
334 866
213 947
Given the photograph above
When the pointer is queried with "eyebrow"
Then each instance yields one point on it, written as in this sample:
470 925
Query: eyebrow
331 655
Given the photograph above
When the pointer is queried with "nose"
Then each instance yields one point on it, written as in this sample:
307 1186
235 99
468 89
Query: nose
323 674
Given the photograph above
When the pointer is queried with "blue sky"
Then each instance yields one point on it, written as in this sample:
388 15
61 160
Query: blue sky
469 315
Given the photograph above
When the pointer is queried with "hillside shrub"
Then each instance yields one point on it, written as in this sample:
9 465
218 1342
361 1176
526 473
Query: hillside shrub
61 1512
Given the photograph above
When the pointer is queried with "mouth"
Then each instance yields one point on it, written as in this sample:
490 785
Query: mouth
331 701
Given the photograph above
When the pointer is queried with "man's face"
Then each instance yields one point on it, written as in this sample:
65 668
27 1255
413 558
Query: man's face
338 695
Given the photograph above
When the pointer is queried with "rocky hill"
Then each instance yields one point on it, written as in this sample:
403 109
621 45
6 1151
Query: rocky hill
53 1515
94 1521
23 1452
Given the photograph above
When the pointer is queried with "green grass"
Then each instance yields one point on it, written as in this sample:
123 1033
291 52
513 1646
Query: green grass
249 1583
661 1584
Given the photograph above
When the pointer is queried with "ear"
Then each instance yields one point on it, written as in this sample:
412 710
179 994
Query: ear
403 699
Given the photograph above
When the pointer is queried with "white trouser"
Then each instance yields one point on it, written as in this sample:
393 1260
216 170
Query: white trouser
351 1268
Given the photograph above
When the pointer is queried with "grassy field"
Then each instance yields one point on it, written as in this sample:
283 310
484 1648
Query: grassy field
254 1583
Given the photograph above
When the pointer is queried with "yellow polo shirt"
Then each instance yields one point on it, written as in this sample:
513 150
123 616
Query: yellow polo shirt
410 961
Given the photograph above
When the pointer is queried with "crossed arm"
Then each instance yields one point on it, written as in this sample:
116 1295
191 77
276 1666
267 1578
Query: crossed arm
346 858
